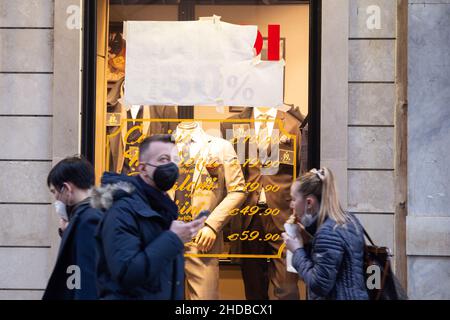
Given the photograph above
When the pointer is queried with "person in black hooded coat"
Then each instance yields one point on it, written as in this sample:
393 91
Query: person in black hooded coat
139 241
74 277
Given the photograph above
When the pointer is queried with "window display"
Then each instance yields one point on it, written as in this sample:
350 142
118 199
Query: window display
210 179
237 162
267 206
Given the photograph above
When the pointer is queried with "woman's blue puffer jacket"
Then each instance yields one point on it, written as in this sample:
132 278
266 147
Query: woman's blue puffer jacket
333 269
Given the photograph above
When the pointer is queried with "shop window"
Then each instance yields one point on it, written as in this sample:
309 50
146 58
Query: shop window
119 127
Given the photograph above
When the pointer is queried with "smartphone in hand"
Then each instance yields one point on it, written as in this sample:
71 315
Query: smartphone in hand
203 213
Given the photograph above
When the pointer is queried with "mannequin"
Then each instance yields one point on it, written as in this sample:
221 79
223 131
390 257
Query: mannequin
188 153
188 126
281 127
186 130
210 179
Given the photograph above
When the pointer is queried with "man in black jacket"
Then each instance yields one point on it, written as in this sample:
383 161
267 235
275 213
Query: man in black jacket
73 277
140 242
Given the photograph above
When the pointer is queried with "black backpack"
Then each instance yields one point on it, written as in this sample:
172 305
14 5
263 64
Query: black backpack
390 288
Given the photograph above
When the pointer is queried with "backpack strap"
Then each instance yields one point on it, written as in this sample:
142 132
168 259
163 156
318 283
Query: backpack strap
365 232
367 235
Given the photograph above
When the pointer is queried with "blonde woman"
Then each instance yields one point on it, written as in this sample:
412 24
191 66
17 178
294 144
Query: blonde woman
332 268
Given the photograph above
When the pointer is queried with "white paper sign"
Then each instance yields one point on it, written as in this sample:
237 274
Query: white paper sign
253 85
197 63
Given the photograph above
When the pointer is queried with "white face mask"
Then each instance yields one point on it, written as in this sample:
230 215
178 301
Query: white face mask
61 210
308 219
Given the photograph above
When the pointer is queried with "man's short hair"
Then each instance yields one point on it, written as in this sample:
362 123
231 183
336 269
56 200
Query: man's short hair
145 145
76 170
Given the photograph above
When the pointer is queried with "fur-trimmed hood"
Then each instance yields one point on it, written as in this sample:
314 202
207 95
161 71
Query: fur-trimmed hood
113 185
131 216
103 197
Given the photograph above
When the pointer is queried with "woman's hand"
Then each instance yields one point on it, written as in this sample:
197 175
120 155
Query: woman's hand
292 244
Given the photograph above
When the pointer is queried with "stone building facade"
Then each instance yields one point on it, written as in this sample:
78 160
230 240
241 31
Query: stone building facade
361 130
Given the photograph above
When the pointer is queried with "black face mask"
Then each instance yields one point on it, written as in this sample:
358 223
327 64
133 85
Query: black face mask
165 175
